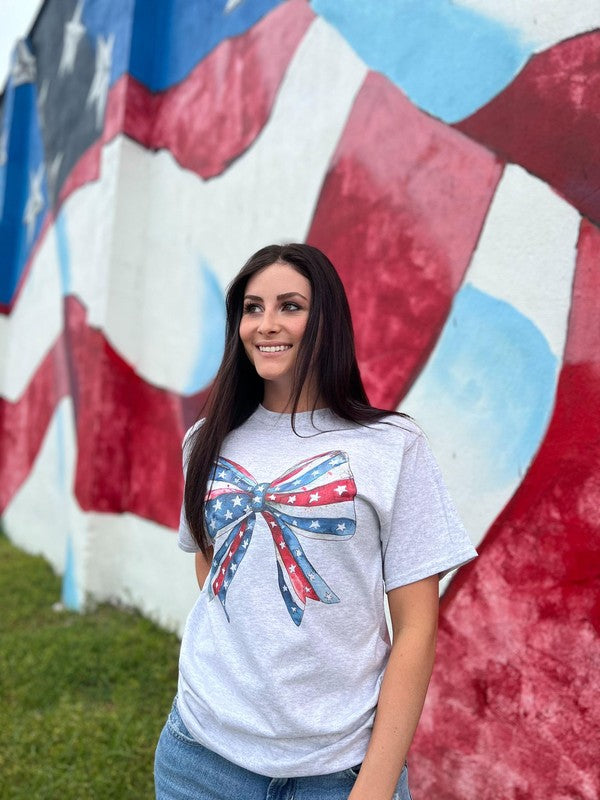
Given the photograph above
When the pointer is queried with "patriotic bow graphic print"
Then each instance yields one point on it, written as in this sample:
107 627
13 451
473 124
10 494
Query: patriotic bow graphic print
315 499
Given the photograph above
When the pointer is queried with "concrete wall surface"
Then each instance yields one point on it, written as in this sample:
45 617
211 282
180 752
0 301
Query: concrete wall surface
445 156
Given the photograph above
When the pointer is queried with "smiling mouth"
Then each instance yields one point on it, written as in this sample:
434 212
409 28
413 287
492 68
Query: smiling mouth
277 348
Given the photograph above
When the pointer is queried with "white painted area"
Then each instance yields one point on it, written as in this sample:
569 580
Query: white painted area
137 562
540 22
43 512
526 253
90 218
34 324
16 19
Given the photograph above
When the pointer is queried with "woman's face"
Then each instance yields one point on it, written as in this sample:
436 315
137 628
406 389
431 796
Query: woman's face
276 307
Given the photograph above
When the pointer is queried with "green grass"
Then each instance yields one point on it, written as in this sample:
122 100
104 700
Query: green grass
82 697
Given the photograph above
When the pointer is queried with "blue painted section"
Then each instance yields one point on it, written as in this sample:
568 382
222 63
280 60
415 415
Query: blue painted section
70 595
448 59
160 41
492 378
212 340
25 155
62 249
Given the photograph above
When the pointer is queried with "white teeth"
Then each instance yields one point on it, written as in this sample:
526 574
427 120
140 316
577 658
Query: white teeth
274 349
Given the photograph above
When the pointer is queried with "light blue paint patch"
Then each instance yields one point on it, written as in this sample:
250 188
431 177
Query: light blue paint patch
60 449
494 367
70 595
212 337
448 59
62 249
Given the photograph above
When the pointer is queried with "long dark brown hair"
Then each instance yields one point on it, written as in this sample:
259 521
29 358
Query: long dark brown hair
326 351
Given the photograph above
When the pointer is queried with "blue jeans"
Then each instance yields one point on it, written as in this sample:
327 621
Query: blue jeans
186 770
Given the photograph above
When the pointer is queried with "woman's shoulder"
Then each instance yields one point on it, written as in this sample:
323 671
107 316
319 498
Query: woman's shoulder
398 429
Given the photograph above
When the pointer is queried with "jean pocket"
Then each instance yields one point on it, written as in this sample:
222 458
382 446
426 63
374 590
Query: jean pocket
177 728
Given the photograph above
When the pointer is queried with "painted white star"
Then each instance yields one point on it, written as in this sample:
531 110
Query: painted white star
233 567
35 201
256 499
282 544
315 524
307 589
292 569
314 498
73 31
294 608
340 490
237 501
341 526
228 514
99 89
247 508
231 4
41 100
245 543
226 584
311 576
24 66
297 481
52 173
315 472
273 524
213 524
328 595
271 497
337 460
298 552
292 499
222 474
240 534
218 505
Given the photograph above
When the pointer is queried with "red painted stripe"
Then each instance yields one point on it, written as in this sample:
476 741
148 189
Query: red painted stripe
516 683
129 432
231 93
548 120
399 215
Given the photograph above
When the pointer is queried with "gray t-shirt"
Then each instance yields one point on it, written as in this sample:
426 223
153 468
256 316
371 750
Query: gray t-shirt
284 651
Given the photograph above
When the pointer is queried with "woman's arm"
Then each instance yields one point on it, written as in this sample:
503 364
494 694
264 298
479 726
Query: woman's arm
202 567
414 614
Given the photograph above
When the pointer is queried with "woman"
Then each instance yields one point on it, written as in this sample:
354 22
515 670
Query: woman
304 504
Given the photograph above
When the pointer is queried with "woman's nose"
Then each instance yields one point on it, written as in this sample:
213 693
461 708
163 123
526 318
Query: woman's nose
268 322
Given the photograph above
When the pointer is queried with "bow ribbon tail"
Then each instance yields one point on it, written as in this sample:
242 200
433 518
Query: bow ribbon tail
228 558
298 579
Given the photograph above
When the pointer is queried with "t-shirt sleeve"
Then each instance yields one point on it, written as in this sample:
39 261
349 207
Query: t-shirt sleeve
423 534
185 540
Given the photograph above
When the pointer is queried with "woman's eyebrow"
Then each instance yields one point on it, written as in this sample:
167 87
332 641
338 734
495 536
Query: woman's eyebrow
283 296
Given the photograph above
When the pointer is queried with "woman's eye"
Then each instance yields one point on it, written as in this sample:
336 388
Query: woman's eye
251 308
291 307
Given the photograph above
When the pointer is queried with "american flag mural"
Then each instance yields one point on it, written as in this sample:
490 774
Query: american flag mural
445 156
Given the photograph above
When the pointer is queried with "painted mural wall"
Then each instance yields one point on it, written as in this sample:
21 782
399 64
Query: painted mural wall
445 155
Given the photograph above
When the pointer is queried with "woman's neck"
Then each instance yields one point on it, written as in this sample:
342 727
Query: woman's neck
277 398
